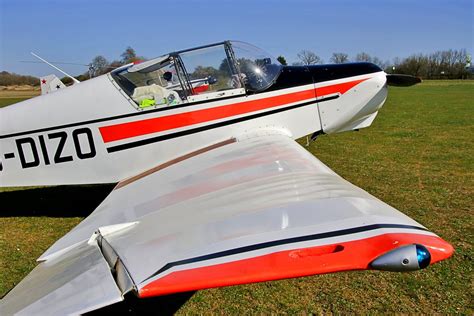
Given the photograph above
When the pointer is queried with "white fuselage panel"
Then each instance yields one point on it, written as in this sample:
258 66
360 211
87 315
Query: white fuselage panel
90 133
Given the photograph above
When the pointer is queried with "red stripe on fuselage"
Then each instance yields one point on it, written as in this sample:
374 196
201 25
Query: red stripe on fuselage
159 124
337 88
351 255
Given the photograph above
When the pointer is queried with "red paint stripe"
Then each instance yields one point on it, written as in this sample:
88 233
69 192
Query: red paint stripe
159 124
352 255
201 88
341 88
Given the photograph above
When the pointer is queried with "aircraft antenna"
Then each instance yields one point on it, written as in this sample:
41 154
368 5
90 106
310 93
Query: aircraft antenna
63 72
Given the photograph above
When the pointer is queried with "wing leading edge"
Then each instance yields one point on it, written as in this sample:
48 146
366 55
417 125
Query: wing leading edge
245 211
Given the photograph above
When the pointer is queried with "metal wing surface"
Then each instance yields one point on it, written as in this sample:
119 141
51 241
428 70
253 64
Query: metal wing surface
236 212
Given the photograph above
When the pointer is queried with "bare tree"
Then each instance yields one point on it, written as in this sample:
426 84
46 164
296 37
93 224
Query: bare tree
308 57
363 57
115 64
433 65
99 65
379 62
339 58
414 65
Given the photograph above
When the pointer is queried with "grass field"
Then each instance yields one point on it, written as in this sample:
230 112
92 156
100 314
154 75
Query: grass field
418 156
8 97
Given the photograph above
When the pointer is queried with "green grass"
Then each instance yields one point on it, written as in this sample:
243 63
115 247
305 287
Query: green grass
8 101
417 156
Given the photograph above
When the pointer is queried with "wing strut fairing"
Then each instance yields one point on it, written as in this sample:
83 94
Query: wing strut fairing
239 212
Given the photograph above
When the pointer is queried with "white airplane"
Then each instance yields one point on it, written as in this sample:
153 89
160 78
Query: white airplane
212 189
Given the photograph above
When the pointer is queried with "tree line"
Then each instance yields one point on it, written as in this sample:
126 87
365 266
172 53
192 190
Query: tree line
9 79
447 64
100 65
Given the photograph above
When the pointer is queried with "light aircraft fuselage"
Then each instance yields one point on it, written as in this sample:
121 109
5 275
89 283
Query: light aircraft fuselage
95 132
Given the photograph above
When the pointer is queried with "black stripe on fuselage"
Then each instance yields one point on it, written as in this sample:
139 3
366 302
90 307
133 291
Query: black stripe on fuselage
280 242
211 126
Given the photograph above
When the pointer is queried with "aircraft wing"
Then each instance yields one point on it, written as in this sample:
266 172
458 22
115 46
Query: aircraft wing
239 211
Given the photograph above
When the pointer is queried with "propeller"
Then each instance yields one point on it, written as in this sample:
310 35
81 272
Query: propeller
402 80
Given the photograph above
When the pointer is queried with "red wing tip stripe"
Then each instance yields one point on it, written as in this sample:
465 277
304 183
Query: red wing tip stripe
350 255
126 130
291 240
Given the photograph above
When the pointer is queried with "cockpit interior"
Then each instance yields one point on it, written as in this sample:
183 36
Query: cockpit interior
208 72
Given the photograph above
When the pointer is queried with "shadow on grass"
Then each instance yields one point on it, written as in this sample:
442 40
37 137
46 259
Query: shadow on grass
80 201
161 305
57 201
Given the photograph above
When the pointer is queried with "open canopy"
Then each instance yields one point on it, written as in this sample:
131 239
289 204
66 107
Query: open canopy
228 67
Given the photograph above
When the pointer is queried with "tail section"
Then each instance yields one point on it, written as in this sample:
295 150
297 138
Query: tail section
50 84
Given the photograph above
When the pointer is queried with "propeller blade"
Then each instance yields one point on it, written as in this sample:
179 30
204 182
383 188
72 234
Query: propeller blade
402 80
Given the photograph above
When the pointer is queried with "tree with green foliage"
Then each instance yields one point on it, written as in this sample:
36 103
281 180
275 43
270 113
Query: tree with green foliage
203 72
130 56
282 60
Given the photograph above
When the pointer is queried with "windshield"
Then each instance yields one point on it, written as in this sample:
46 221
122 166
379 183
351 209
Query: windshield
259 69
210 66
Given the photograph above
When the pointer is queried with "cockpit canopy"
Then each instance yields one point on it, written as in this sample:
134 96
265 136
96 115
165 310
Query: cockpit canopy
202 73
258 67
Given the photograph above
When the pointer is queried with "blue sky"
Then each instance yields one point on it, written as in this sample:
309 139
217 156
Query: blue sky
78 30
